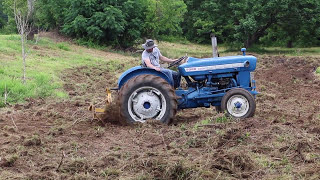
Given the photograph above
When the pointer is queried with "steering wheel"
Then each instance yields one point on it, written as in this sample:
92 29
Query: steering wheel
177 62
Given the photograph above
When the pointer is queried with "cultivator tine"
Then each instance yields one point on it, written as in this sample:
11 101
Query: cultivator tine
108 97
95 110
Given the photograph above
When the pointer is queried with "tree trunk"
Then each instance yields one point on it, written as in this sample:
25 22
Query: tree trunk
254 38
31 10
289 44
251 40
30 7
257 34
24 28
23 55
32 33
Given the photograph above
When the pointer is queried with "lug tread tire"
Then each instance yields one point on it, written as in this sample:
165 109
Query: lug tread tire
152 81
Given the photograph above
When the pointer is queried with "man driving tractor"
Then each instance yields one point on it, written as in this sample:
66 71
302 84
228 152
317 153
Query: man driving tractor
150 58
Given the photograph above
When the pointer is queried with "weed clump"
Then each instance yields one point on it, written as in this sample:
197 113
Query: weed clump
318 71
76 165
235 163
8 161
33 141
159 169
110 173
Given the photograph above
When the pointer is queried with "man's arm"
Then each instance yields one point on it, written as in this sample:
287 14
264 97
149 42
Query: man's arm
165 59
149 65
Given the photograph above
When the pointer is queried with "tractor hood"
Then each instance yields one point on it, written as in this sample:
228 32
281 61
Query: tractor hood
195 66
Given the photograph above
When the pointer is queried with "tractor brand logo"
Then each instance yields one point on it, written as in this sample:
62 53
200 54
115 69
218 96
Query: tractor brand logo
207 68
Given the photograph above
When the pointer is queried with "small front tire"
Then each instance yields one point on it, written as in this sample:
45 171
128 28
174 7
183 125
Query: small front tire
238 103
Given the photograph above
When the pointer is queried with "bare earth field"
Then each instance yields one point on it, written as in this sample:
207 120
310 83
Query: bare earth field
50 139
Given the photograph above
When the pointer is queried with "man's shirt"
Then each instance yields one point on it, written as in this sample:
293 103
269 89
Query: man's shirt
153 56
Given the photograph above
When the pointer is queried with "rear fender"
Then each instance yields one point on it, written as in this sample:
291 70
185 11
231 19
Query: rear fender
138 70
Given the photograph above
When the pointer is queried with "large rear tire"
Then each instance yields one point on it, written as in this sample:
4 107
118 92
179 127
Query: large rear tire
238 103
147 97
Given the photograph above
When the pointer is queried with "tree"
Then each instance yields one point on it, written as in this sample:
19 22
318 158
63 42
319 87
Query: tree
257 17
135 18
50 14
22 12
3 17
247 21
164 17
301 24
95 20
205 17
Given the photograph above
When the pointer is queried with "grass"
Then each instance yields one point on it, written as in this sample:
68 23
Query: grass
174 50
63 46
312 51
46 62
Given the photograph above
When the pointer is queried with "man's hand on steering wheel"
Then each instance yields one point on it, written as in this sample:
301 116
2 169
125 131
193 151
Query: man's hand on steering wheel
177 62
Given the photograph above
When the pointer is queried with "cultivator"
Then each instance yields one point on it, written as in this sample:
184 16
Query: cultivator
99 113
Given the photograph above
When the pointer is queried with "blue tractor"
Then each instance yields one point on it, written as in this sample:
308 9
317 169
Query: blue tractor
227 83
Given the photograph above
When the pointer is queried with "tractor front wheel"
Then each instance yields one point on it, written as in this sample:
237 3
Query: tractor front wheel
147 97
238 103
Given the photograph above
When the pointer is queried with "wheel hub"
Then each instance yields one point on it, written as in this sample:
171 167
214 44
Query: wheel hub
146 103
238 105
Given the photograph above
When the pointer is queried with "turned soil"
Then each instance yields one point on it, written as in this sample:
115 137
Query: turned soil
57 139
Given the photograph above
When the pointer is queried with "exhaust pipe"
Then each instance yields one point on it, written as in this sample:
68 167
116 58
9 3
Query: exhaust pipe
214 45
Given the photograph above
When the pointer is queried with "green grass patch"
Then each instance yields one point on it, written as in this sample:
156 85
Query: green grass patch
286 51
176 50
89 43
63 46
317 71
223 119
114 65
175 39
12 89
46 62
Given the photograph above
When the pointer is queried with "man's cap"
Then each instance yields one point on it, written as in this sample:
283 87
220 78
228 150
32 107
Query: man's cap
149 44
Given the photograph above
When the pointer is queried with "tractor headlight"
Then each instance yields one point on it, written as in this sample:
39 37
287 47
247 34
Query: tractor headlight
246 64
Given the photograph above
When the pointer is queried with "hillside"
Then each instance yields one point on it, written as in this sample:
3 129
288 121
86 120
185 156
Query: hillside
52 135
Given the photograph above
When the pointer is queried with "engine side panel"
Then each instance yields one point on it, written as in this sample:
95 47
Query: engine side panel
197 67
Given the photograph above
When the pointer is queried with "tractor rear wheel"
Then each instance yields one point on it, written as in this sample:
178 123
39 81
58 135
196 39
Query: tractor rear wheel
238 103
147 97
